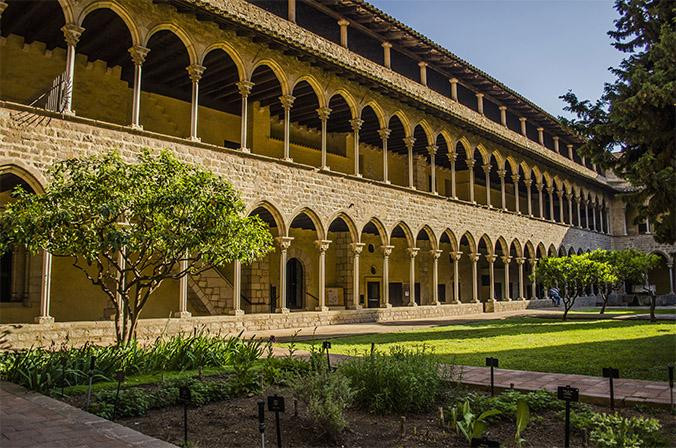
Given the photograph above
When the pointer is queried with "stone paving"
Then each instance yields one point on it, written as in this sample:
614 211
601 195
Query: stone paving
29 419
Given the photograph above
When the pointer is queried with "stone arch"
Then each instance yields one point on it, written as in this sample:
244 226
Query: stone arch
538 174
407 233
314 217
179 32
547 179
470 241
489 244
67 8
467 146
424 125
552 252
117 9
541 250
503 245
348 99
430 234
451 237
485 153
276 69
516 244
529 250
380 228
306 263
230 51
316 87
499 159
406 123
514 164
377 110
32 177
274 211
349 222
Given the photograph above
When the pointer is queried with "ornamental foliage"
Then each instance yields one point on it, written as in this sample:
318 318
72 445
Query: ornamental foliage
636 113
128 226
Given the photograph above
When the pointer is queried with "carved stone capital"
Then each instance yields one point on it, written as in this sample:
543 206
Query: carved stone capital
384 134
322 245
357 247
356 124
432 149
138 54
72 33
470 163
244 87
452 155
413 251
515 178
502 173
505 259
409 142
487 168
528 182
195 72
436 253
287 101
323 113
387 250
284 242
520 260
491 258
474 257
456 255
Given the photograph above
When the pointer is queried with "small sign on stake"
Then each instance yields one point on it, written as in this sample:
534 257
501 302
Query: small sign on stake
326 345
671 386
119 377
276 405
184 397
92 366
610 373
493 364
568 394
261 421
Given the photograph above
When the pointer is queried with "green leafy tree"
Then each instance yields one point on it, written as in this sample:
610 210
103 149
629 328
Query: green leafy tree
628 266
572 275
635 113
130 226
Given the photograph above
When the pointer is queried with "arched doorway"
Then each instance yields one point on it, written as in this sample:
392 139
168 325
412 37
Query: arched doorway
294 284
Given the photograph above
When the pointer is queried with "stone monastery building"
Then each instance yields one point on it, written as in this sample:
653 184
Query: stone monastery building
399 180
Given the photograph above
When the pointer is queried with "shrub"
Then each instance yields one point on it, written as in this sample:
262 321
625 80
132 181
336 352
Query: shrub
327 394
401 381
133 402
470 424
507 402
616 431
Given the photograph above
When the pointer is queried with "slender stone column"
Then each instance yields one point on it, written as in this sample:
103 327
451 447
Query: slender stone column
237 289
491 274
71 33
244 90
324 113
528 182
454 89
412 252
474 258
455 256
541 208
356 124
452 155
569 197
487 172
409 141
593 210
45 290
522 121
432 151
556 144
384 136
550 194
503 115
435 276
423 72
138 56
503 196
343 24
480 103
647 226
291 10
586 213
287 104
386 54
519 262
284 242
579 215
608 222
385 300
515 182
670 268
195 72
356 252
570 151
534 285
183 291
559 193
323 246
541 136
507 296
601 228
470 167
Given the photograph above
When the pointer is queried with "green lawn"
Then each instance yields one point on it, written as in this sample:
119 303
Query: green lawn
638 348
623 310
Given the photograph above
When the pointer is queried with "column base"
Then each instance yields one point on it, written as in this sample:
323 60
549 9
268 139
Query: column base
435 193
322 309
412 187
44 320
355 307
456 302
387 182
437 303
288 159
412 304
70 113
136 127
236 312
507 299
243 149
282 311
358 175
195 139
386 305
325 168
182 314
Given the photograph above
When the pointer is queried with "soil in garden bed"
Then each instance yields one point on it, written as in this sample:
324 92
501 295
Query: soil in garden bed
234 423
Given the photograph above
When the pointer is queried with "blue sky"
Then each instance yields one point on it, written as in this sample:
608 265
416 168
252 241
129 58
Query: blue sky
540 48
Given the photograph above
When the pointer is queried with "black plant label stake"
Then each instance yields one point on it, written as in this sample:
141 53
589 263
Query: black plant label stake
610 373
64 363
184 398
326 345
261 421
119 376
92 365
568 394
276 405
671 386
493 364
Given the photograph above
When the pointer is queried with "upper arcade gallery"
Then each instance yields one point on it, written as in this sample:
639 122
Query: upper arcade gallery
181 74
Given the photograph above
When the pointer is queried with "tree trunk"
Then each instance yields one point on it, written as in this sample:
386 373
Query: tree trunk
604 297
653 304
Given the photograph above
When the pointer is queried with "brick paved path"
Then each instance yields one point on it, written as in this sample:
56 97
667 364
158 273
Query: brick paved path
593 389
28 419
